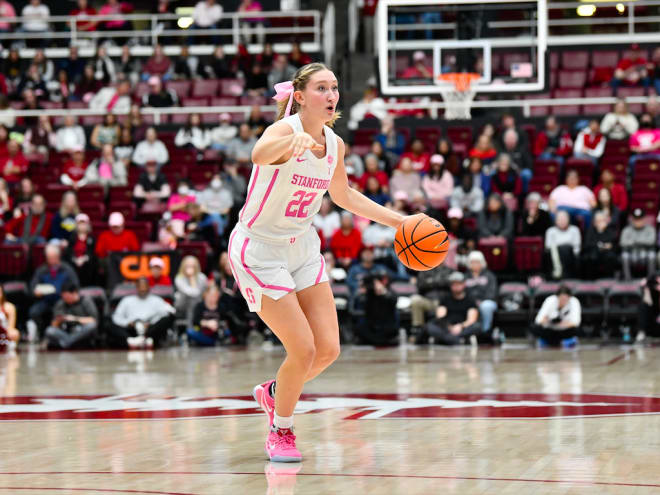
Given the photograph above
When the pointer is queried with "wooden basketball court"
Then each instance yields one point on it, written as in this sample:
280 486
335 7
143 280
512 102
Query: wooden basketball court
406 421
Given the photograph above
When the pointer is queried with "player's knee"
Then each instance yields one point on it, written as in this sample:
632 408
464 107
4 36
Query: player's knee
327 354
305 355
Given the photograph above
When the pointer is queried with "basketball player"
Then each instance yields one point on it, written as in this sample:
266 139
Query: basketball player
274 251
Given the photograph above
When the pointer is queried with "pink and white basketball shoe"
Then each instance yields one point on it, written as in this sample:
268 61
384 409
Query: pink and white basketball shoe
261 394
281 445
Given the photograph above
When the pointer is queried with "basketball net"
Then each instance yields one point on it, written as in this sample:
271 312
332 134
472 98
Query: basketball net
458 94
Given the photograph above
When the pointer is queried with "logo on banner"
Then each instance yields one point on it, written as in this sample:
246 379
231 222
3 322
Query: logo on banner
357 406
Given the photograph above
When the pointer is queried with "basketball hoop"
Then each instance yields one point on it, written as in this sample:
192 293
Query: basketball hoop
458 94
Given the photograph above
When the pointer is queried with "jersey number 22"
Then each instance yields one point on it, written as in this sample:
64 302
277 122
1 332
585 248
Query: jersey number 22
298 207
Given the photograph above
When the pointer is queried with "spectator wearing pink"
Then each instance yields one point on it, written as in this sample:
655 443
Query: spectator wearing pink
418 156
115 7
438 184
178 202
645 143
252 23
553 143
7 11
405 179
590 142
576 200
158 64
419 69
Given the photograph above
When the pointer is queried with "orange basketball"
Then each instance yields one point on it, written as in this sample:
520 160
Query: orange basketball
421 243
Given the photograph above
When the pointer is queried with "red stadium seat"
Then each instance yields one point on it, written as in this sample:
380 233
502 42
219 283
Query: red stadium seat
232 87
199 250
617 147
121 193
645 184
584 167
543 184
528 253
597 108
460 135
53 193
648 167
575 59
202 174
604 58
37 255
195 102
365 136
151 212
554 60
181 88
538 111
141 89
142 229
91 193
205 88
618 168
572 78
496 252
221 101
646 201
566 109
547 167
95 210
253 100
13 261
127 208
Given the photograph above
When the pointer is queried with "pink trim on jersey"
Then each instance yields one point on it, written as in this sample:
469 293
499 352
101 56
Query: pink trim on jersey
263 201
231 263
256 279
318 277
247 200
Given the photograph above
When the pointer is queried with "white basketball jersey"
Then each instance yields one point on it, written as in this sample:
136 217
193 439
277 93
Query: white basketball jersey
283 199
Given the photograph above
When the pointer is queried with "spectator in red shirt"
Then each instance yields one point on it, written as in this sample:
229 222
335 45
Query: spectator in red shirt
372 170
31 227
419 69
83 13
14 166
419 158
553 143
157 277
158 64
483 149
73 171
346 242
117 238
618 191
632 70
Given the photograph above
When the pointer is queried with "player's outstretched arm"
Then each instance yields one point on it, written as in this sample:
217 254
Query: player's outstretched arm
348 198
279 143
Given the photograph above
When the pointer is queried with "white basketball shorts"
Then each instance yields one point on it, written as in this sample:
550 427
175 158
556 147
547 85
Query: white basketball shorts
274 267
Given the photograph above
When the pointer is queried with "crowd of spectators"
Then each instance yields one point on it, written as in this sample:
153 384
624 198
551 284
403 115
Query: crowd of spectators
488 190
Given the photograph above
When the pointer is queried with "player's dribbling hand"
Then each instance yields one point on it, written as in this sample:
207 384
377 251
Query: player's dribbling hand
303 141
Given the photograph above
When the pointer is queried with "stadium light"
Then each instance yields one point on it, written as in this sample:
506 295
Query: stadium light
620 8
586 10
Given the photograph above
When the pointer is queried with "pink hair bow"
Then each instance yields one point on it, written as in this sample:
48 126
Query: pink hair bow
284 90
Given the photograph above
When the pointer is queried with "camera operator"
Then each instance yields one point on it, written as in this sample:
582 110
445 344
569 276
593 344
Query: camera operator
558 320
378 323
456 317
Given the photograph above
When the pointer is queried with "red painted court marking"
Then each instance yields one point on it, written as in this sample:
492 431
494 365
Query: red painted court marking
103 490
330 475
618 358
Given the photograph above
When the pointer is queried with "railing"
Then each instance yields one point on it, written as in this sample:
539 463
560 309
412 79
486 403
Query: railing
156 27
432 106
570 30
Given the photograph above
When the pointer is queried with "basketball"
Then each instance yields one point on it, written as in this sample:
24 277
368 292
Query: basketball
421 243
